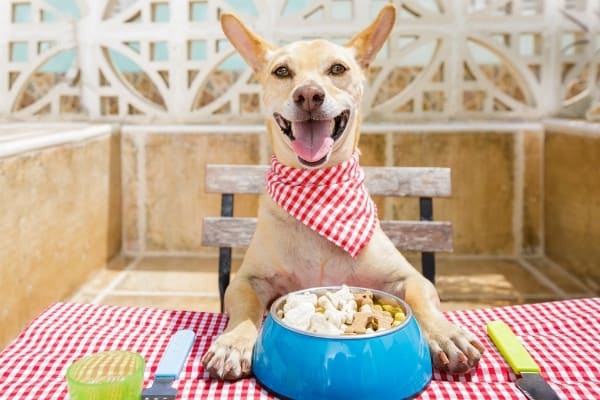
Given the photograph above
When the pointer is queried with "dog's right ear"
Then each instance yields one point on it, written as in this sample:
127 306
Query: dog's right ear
252 48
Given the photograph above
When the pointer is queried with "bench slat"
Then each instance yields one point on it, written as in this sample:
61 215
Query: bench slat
224 178
386 181
227 231
406 235
408 181
429 236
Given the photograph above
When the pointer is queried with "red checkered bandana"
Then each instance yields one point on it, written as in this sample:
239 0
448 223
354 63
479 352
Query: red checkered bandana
331 201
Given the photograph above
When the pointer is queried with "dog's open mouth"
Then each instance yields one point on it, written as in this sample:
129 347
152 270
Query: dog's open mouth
313 139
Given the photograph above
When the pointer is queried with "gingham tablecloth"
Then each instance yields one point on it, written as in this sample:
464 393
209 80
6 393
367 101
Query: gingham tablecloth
563 337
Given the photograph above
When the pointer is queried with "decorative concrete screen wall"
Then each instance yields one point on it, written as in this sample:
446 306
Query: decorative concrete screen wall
168 61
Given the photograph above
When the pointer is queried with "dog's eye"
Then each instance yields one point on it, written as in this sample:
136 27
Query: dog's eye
337 69
282 72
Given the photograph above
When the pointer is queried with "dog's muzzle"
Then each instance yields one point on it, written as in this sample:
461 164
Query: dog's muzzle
312 139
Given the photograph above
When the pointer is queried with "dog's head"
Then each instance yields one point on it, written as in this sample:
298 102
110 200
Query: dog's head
312 90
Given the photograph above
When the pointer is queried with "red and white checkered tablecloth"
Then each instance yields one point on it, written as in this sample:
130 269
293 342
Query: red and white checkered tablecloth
563 337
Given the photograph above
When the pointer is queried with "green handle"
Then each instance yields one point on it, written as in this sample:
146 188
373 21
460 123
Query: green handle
511 348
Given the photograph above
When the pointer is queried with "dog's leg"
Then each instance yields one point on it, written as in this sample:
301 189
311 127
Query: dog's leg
230 355
453 349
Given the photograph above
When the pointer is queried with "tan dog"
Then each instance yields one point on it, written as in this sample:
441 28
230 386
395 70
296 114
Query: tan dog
312 92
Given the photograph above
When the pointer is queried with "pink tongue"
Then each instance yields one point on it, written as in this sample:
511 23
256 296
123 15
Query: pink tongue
312 139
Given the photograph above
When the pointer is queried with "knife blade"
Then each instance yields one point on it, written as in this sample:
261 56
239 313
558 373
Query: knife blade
531 382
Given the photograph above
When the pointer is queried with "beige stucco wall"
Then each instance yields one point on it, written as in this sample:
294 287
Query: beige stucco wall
482 203
572 200
164 197
67 208
60 221
495 205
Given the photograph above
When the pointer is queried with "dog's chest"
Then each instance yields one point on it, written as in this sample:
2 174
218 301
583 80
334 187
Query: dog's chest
303 257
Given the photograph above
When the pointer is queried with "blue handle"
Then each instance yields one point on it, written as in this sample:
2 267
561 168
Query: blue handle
177 352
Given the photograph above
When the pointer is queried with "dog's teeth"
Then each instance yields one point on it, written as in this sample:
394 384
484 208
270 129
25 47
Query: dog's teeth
340 123
284 125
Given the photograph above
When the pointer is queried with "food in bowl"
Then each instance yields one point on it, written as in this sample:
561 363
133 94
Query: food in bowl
340 311
381 363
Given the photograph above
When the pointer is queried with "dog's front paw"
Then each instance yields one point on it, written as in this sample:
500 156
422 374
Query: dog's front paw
229 357
453 349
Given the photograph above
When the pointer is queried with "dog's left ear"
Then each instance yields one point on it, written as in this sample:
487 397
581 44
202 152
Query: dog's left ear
368 42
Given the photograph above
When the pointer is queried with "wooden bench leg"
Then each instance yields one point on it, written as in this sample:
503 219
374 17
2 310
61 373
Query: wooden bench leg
427 258
428 264
224 272
225 252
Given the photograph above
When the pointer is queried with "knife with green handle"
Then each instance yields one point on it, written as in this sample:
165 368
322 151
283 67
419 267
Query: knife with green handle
516 355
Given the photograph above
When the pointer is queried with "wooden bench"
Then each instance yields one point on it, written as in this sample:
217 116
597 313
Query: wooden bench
425 236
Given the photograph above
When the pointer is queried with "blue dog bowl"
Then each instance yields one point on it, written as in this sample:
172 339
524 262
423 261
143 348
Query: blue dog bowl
392 364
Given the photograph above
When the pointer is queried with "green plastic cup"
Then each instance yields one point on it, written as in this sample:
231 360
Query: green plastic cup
109 375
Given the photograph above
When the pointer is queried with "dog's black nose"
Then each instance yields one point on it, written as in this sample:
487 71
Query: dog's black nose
309 97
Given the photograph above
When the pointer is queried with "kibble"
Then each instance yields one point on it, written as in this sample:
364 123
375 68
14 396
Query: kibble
342 312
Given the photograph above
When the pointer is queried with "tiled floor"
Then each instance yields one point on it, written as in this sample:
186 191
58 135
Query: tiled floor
190 283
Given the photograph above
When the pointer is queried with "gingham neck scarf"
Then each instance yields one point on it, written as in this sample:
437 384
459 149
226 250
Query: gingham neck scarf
331 201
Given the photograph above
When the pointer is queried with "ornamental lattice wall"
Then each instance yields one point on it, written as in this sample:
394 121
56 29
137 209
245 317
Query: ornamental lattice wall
168 61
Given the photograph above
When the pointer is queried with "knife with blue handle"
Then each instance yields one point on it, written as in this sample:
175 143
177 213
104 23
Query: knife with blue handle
531 382
170 366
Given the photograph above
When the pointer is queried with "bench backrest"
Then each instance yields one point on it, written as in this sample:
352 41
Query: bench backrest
425 236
